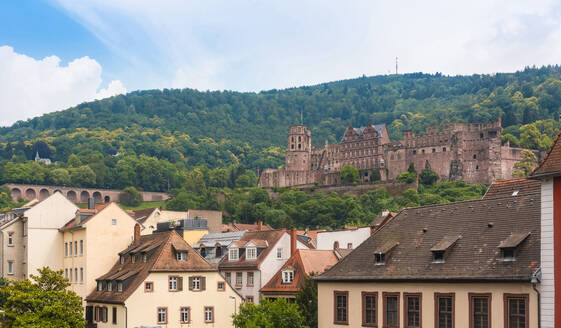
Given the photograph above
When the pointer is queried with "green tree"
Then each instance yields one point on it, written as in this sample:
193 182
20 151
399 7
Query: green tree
74 161
375 176
82 176
307 299
42 301
428 177
130 196
526 165
59 177
270 314
350 174
182 201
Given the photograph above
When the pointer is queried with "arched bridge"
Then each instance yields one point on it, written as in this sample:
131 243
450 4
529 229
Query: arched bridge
76 195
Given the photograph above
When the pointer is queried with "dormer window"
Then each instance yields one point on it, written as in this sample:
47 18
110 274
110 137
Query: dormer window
509 245
218 251
181 256
120 286
144 258
109 286
438 257
287 276
203 251
251 253
133 258
122 259
380 258
233 254
99 286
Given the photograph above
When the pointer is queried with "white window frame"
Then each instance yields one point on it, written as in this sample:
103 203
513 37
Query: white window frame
250 278
234 254
196 283
287 276
209 314
251 253
181 256
109 286
10 267
279 253
120 286
239 282
10 239
122 259
148 283
172 284
162 314
99 286
114 222
185 314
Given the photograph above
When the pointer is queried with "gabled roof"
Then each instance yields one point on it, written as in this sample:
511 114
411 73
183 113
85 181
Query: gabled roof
483 224
551 164
85 216
304 262
512 188
223 239
270 236
142 215
160 248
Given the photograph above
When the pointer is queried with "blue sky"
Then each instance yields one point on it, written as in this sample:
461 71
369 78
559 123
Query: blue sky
58 53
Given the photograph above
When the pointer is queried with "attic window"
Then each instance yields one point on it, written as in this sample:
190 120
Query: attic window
120 286
203 251
218 251
144 258
251 253
133 258
515 193
438 257
380 258
181 256
122 259
287 276
508 254
233 254
509 245
109 286
99 286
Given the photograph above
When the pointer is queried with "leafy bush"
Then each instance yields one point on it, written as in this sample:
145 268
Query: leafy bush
130 197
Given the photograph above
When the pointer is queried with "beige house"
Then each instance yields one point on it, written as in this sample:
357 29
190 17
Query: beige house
149 219
30 237
160 281
466 264
90 242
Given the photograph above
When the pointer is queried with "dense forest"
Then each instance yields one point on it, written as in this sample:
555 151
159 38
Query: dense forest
154 139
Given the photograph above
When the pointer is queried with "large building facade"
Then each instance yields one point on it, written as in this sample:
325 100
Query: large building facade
472 152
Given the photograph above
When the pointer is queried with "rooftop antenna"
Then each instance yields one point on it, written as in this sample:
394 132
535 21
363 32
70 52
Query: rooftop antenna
396 61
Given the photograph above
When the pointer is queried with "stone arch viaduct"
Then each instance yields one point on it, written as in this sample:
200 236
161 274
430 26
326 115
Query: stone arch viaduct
76 195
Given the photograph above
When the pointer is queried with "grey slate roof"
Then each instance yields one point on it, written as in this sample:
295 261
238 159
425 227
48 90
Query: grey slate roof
210 240
484 225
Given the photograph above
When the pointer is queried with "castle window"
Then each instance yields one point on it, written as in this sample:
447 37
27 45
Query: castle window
444 149
299 138
423 151
481 135
292 146
434 150
474 156
414 151
477 167
299 146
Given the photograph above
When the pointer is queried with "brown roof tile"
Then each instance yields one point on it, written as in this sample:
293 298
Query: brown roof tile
160 248
513 187
483 224
270 236
551 164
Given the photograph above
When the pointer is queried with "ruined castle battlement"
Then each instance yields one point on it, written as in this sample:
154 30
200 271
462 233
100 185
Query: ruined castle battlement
456 151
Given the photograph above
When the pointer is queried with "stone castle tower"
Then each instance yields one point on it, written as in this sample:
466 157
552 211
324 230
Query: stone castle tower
298 154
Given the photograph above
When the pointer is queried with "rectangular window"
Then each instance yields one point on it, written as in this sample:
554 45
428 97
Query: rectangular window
76 275
279 253
444 307
109 286
76 248
287 276
181 256
99 286
196 283
516 310
70 249
185 314
70 275
10 267
113 221
229 277
221 286
391 310
81 275
341 305
172 284
249 299
479 310
11 239
233 254
251 253
369 309
65 249
163 315
250 279
350 245
120 286
412 314
114 315
66 273
209 314
239 278
148 287
81 247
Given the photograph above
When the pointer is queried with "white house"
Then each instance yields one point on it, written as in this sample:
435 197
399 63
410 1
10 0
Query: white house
348 238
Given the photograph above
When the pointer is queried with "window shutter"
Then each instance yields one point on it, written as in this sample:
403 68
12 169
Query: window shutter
179 283
190 283
96 310
203 283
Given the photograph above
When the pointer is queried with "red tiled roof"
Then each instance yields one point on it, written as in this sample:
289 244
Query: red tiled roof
310 233
160 249
513 187
249 227
551 165
304 262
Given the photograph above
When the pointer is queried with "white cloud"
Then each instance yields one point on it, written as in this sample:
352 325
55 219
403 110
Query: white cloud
31 87
255 45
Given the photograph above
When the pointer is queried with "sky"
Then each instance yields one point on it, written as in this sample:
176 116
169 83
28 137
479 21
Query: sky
58 53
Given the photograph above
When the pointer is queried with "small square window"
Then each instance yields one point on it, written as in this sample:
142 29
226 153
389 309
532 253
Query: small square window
233 254
251 253
438 257
380 258
113 221
279 253
148 286
11 239
181 256
508 254
221 286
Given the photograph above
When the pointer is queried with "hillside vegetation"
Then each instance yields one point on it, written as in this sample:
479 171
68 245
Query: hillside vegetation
154 139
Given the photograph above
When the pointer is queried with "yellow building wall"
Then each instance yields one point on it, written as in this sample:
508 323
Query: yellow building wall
142 307
193 236
15 253
326 299
76 260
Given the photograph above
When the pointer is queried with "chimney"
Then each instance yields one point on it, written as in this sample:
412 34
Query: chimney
372 230
91 203
136 234
259 225
292 241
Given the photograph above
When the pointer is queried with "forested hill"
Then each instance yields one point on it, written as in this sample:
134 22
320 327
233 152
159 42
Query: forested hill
187 128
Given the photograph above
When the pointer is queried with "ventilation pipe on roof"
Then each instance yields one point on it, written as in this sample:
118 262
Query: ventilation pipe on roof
292 241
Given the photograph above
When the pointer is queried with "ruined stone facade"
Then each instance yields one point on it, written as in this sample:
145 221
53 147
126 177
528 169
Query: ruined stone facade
457 151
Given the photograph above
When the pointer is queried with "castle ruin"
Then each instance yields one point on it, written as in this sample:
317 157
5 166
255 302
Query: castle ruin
471 152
